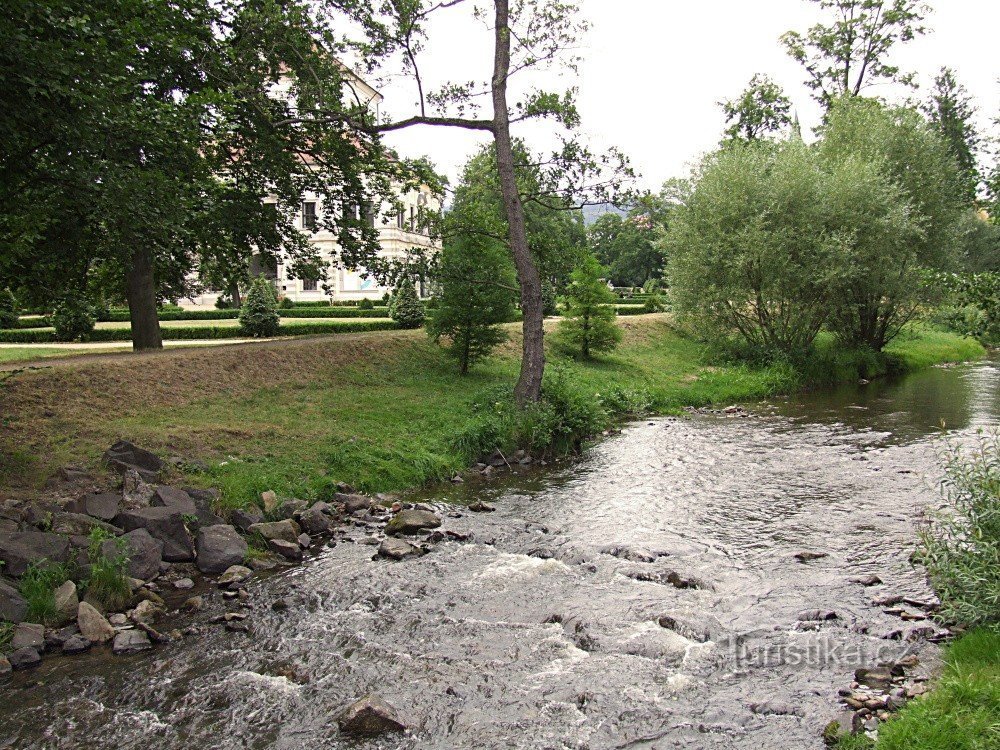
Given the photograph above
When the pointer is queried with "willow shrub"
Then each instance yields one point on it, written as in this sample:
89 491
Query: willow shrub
961 546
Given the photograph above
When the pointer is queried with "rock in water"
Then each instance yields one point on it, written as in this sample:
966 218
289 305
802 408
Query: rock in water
235 574
396 549
24 658
67 602
810 556
287 530
314 521
411 521
352 502
28 635
371 716
92 624
130 642
219 547
288 550
75 644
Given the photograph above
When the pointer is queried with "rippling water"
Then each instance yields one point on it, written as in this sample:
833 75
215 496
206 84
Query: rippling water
646 596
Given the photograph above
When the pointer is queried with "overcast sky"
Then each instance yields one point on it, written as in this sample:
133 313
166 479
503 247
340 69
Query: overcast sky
654 70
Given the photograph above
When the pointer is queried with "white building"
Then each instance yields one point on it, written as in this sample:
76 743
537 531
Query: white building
401 227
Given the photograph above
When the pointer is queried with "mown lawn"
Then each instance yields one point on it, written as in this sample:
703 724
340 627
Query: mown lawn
24 354
378 410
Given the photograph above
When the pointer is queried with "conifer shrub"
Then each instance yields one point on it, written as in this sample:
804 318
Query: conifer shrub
259 314
405 308
589 322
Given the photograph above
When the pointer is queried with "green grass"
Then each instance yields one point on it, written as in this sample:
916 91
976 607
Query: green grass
20 354
108 579
37 586
962 712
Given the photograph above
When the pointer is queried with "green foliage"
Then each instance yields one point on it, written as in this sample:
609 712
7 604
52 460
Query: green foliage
589 322
961 548
950 112
405 308
38 585
978 244
550 301
976 309
761 110
108 581
366 304
286 303
477 295
8 309
6 635
259 314
74 318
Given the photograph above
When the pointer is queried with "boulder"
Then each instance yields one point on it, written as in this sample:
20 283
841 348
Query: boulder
104 506
24 658
56 638
136 492
288 550
304 541
270 501
219 547
124 455
143 552
145 612
204 502
78 524
193 604
165 524
371 716
411 521
75 644
92 624
353 502
396 549
13 607
19 549
39 515
183 584
244 518
130 642
171 497
67 602
314 521
28 635
286 530
235 574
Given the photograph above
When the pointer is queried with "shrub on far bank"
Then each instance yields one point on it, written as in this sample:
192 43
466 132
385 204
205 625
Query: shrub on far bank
8 309
259 314
74 318
588 324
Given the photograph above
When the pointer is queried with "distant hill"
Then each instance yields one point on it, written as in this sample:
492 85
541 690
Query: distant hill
595 212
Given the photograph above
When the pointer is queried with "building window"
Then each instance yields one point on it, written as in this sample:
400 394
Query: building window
309 215
308 285
400 216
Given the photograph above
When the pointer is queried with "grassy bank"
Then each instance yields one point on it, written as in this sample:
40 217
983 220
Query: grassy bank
383 411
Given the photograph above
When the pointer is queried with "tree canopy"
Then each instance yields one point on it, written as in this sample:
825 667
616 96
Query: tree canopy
760 111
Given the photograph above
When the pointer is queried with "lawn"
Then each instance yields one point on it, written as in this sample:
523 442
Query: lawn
377 410
18 354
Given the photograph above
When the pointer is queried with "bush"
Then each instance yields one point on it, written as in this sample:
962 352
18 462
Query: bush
366 304
37 586
405 307
550 302
286 303
74 318
589 322
259 314
224 302
8 309
961 547
108 581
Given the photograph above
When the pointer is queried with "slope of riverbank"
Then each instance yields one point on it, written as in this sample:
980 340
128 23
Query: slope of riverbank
379 410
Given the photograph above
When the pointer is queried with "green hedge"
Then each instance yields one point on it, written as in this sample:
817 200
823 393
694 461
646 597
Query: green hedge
47 336
122 316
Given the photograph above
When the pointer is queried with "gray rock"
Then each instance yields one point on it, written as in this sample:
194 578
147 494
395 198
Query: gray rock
171 497
314 521
219 547
480 507
124 455
286 530
288 550
817 615
396 549
39 515
92 624
269 499
136 492
143 552
194 604
204 502
24 658
104 506
56 638
130 642
67 602
76 644
13 607
78 524
28 635
411 521
304 541
371 716
879 678
871 580
244 518
353 502
5 667
810 556
290 508
145 612
234 574
19 549
165 524
183 584
776 708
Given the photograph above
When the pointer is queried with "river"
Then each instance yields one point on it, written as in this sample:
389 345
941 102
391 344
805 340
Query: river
647 595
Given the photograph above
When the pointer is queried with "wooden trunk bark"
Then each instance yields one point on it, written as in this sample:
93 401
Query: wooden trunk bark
529 384
140 290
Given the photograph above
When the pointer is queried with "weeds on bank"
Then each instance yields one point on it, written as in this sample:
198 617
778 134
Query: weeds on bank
108 580
38 585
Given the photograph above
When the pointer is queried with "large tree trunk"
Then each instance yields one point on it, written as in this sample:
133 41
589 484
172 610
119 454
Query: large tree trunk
529 384
234 295
141 292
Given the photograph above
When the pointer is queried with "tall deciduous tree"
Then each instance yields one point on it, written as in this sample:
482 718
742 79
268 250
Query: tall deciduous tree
849 50
761 110
527 35
950 111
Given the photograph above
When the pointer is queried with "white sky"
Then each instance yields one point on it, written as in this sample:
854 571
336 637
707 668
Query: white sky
654 70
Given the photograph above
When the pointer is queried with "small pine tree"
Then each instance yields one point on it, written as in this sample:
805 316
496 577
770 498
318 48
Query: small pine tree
405 307
589 325
477 284
259 314
550 303
8 309
74 318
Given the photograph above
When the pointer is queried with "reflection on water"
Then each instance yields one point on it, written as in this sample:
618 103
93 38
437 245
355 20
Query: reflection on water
647 596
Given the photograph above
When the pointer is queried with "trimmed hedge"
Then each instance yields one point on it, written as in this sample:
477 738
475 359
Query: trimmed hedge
47 336
122 316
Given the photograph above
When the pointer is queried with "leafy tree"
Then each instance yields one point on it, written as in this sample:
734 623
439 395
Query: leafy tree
528 35
259 314
478 287
761 110
978 243
849 50
405 307
589 322
950 111
8 309
74 317
628 247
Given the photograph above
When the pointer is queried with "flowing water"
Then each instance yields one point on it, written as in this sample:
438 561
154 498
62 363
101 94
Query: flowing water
645 596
